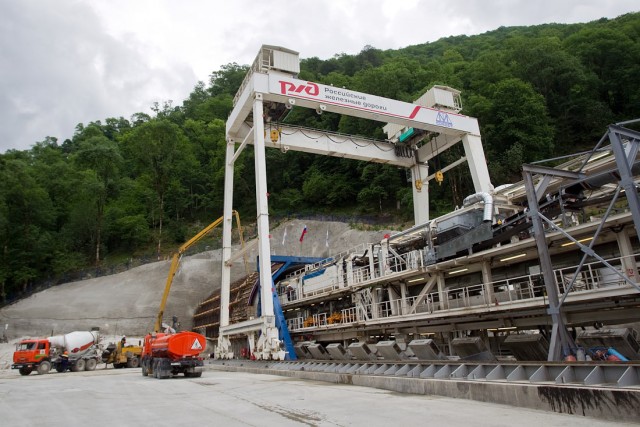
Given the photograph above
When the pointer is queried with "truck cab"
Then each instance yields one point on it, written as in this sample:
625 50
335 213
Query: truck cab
29 354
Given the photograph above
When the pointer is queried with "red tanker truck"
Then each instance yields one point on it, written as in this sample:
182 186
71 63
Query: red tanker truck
164 355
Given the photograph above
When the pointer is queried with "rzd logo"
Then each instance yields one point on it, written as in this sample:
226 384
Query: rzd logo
442 119
309 88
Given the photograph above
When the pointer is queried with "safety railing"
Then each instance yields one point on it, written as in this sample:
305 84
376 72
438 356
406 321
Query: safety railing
295 323
406 262
361 248
349 315
594 276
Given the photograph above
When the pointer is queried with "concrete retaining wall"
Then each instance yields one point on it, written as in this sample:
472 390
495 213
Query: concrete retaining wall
603 403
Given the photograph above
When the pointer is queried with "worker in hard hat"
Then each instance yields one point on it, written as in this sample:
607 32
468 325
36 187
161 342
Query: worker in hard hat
123 341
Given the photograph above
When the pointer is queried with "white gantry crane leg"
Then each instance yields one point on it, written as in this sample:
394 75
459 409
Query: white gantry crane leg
420 186
223 349
262 203
477 163
268 345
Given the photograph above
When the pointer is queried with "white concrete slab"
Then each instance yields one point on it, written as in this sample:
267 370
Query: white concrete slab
124 397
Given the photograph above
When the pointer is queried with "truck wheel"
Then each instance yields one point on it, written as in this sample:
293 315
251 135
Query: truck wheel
25 371
163 369
154 368
79 366
90 365
145 371
59 368
134 362
44 367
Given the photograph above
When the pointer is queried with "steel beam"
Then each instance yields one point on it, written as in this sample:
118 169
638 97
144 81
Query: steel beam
561 342
262 207
333 144
624 162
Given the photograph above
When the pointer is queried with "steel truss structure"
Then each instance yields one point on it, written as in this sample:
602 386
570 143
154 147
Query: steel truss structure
624 145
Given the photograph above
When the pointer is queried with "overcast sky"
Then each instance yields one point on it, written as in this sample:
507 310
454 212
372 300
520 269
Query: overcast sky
66 62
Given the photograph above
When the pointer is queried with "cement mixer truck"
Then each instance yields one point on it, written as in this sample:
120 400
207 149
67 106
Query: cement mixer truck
164 355
75 351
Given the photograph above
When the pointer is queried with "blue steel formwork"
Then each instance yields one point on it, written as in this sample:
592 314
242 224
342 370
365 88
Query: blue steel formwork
281 323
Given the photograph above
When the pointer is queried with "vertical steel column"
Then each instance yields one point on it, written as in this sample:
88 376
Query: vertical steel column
477 163
404 307
375 300
626 252
420 196
262 207
225 284
372 264
624 163
561 342
442 295
487 280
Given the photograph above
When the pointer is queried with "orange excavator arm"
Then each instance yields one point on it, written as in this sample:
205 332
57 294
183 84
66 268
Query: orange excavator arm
175 262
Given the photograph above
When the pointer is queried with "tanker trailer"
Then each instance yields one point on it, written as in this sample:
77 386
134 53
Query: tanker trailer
75 351
164 355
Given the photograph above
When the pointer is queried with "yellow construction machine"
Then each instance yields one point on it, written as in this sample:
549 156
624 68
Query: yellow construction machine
122 355
175 262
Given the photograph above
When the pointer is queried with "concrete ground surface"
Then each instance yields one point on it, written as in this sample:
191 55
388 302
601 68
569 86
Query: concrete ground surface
124 397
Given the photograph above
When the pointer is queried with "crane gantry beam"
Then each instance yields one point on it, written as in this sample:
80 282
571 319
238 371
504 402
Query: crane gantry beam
280 87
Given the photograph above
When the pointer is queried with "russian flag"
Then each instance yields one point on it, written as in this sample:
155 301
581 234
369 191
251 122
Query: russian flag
304 231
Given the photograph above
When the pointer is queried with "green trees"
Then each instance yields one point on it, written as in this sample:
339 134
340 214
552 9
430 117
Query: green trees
520 131
29 222
101 156
161 157
611 53
382 184
122 187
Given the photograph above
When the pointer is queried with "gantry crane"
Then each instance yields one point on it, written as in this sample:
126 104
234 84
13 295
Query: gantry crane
272 85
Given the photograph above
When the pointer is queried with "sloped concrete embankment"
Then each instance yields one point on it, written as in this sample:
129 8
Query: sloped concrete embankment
127 303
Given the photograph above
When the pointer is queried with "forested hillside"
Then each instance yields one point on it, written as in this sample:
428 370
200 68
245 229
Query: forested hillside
120 187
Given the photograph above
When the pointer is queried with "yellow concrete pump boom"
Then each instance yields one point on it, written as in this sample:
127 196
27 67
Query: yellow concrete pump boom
178 255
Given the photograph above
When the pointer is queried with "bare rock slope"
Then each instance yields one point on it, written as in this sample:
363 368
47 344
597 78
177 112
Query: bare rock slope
127 303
